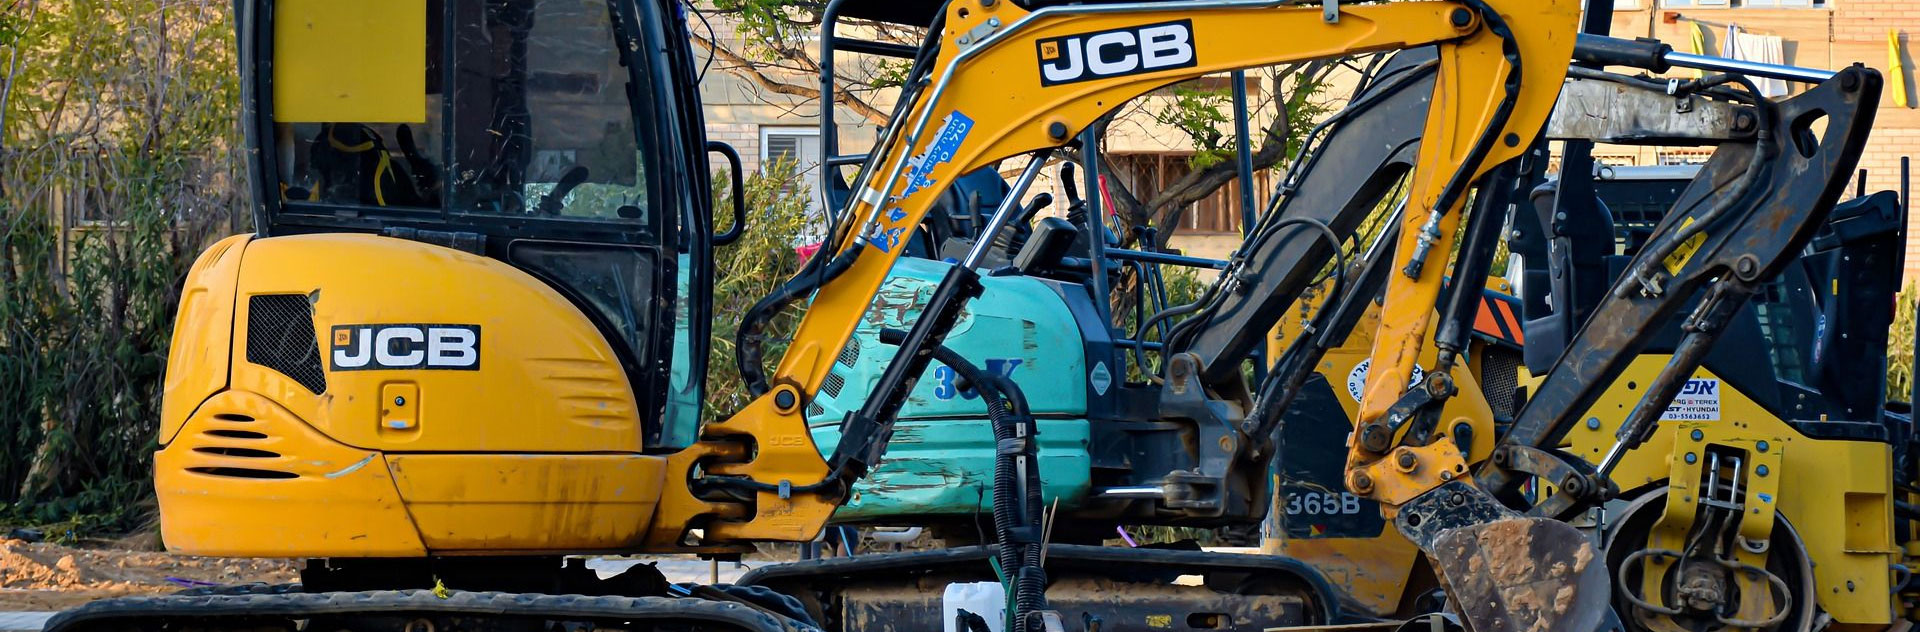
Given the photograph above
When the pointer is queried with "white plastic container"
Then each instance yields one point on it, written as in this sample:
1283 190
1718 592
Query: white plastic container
987 599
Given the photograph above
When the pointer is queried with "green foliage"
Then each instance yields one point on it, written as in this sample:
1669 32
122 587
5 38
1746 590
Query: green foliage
1900 344
1206 117
770 26
751 268
118 166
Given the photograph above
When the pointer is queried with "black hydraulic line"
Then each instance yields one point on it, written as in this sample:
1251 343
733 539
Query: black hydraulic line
750 340
1479 243
1243 151
1456 186
1328 328
865 432
1016 488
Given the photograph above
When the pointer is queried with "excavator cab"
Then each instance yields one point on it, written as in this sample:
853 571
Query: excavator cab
562 139
483 253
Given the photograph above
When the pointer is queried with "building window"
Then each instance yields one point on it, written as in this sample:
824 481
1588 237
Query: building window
802 146
1672 157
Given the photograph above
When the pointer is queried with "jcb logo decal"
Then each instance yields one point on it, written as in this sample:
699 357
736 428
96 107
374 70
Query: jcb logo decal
372 347
1127 51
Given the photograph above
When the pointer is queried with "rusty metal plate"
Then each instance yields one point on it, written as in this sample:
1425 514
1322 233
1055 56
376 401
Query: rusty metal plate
1523 575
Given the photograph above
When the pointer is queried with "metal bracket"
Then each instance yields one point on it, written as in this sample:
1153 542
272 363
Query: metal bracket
974 36
1330 11
1574 477
1609 112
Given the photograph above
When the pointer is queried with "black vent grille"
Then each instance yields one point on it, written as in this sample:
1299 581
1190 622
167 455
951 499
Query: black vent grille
850 354
280 337
1500 380
832 385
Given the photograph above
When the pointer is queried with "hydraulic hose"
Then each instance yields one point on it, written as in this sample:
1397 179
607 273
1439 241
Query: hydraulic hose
750 341
1016 477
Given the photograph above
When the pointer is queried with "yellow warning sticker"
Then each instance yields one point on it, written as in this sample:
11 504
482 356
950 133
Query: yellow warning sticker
1674 262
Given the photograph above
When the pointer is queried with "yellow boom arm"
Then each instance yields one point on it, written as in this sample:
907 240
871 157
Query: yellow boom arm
1008 81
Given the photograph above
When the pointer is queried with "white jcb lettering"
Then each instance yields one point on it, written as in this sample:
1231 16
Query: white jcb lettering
357 354
396 355
406 346
451 346
1112 53
1068 68
1125 51
1165 46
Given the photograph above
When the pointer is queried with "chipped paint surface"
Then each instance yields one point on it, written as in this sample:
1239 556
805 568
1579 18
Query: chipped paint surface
945 467
349 469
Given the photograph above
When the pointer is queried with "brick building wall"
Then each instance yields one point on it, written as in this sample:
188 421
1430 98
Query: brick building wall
1832 36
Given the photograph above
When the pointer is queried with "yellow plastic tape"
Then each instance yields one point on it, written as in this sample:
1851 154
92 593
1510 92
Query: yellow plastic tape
1897 67
358 61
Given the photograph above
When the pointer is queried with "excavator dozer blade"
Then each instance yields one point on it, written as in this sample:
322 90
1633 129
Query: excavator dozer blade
1524 575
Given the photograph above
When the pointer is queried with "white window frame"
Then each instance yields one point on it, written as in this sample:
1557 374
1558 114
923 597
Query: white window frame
811 180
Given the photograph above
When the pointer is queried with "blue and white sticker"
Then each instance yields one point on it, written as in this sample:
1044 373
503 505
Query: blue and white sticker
889 234
953 132
1357 379
886 239
1699 400
1100 378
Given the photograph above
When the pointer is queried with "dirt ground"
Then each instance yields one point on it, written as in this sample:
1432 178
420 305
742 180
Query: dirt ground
39 576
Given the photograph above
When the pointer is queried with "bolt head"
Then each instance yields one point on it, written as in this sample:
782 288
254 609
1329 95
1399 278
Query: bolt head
1593 423
1405 460
784 399
1692 458
1762 470
1374 438
399 400
1460 18
1057 130
1698 435
1762 446
1361 483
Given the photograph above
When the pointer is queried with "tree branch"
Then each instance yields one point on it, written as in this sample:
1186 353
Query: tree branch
748 69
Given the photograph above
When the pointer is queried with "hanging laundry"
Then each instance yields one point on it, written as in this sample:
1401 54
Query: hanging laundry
1897 70
1766 49
1697 44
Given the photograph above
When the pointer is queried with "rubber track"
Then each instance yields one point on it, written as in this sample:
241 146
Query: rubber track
248 604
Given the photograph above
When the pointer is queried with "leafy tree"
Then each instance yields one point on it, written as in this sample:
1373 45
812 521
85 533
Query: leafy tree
118 164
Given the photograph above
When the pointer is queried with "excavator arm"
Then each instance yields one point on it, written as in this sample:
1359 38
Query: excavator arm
1755 206
1007 82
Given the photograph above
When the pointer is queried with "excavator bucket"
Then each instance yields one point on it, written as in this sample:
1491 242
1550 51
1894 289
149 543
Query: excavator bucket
1524 575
